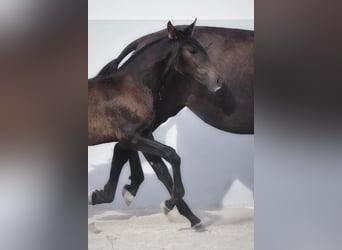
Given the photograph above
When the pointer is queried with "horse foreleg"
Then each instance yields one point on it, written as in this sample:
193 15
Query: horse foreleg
159 167
150 146
120 157
164 176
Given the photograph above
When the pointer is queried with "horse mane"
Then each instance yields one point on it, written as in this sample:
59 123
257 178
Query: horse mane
108 68
112 66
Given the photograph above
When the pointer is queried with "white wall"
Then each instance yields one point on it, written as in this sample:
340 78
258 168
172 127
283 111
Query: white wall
217 167
175 9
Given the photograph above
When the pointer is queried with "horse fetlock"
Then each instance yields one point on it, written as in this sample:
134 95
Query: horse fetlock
133 189
100 196
168 205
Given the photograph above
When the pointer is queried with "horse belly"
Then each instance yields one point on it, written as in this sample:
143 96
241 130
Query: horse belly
130 113
240 120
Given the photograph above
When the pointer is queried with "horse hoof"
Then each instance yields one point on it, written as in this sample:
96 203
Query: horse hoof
127 196
199 227
165 210
90 199
92 228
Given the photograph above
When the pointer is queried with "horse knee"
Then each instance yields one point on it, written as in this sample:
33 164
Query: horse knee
178 192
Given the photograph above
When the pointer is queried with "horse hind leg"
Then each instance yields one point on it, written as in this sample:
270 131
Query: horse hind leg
120 157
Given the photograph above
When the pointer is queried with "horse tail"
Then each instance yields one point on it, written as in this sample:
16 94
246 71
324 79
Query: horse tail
112 66
137 44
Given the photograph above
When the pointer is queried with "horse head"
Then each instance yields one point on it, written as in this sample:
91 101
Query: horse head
191 59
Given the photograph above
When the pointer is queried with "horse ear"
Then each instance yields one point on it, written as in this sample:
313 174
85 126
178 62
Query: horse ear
171 31
189 31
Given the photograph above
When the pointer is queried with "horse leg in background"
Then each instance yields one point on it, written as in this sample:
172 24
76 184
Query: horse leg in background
120 157
137 177
150 146
164 176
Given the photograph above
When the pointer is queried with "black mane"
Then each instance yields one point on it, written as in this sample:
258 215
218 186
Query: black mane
112 66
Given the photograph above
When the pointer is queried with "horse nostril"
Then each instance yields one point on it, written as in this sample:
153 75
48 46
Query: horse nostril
218 84
219 81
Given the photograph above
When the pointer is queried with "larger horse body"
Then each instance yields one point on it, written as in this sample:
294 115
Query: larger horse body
122 105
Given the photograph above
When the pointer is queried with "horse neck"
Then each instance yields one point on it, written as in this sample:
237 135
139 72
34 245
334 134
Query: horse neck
174 94
150 65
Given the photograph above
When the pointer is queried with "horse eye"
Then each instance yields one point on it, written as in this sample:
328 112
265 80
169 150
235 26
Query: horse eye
193 51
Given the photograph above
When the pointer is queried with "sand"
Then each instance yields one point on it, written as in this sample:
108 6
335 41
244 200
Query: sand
231 228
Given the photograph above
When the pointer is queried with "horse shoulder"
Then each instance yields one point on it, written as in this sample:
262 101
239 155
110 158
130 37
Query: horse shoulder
136 101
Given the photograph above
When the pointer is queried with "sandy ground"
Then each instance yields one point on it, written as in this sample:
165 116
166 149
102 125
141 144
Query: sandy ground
231 229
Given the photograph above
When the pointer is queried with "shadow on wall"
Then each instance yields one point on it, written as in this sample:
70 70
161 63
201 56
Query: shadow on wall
212 160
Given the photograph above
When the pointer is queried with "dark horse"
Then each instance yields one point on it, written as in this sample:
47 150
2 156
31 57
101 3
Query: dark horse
229 109
122 105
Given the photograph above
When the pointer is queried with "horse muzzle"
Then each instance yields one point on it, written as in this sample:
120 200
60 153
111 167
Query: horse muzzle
219 84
